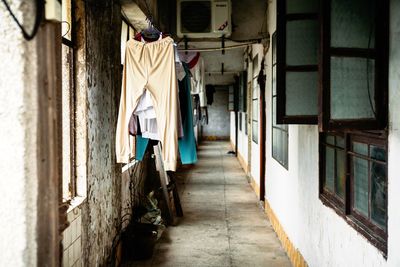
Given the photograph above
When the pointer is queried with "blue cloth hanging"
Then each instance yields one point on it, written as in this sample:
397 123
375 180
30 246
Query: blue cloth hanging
187 144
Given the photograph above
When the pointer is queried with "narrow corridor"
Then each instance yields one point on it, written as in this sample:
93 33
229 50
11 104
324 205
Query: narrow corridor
223 224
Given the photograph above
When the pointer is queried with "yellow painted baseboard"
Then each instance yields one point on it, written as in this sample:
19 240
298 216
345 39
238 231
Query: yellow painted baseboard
243 163
255 186
232 145
293 253
214 138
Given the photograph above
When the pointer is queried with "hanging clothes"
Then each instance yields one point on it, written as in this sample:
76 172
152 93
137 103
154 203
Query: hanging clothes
210 90
150 66
187 144
180 70
196 65
191 58
198 82
196 110
145 111
204 116
147 117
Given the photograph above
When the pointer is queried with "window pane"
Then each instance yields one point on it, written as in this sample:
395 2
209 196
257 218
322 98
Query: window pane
240 120
274 111
66 25
352 23
274 142
360 148
340 173
301 93
330 139
280 147
306 6
378 194
285 148
329 168
352 88
378 153
274 80
273 48
246 125
255 131
66 120
302 40
340 141
255 110
361 185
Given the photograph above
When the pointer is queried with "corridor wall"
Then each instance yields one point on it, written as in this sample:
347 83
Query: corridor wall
101 212
19 157
314 230
218 116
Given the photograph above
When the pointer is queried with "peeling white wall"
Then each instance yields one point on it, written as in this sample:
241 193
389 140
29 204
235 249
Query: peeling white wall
18 144
323 237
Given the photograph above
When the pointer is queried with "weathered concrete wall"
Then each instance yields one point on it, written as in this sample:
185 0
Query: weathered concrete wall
101 212
218 115
18 139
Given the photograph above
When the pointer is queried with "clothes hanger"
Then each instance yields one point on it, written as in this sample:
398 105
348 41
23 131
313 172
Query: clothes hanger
151 33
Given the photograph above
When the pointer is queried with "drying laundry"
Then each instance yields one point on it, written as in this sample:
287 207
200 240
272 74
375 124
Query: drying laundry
147 117
210 90
198 82
145 111
150 66
191 58
180 71
187 143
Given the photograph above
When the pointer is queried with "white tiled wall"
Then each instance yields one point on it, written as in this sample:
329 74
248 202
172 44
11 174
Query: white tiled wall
72 241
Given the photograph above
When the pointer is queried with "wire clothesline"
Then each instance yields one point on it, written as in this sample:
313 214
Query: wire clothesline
216 48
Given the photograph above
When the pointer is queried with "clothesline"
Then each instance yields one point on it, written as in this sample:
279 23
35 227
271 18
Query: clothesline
216 48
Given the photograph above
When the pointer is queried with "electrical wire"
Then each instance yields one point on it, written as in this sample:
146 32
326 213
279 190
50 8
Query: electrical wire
38 19
69 27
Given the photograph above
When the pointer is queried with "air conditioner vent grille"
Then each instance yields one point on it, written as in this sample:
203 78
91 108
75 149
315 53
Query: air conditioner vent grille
196 17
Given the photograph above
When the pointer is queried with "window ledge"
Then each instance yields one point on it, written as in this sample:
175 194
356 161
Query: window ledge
75 202
359 227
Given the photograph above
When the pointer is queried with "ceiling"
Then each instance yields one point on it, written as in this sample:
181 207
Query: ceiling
248 24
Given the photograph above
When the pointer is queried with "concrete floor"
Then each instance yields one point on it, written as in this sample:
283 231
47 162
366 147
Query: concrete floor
223 224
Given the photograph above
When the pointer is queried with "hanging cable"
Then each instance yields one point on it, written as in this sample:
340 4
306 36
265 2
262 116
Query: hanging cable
69 28
38 19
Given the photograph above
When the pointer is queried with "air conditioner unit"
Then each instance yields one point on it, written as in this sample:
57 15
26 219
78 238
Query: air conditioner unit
204 18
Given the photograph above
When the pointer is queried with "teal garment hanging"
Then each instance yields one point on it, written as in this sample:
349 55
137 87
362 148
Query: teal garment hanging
141 145
187 144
